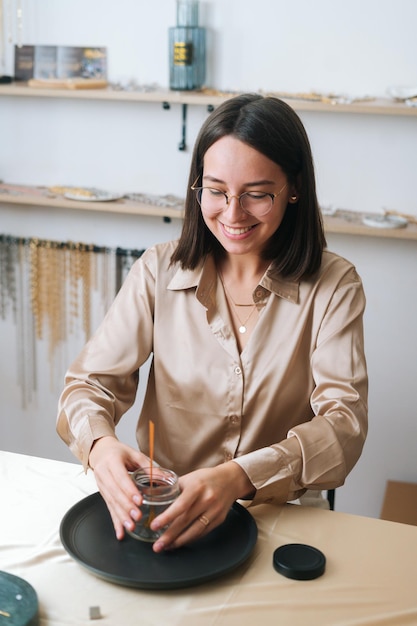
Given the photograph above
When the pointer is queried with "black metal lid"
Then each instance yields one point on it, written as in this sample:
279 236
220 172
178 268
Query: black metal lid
299 561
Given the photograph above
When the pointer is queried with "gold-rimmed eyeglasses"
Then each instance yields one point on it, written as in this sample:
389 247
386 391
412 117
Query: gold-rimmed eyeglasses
257 203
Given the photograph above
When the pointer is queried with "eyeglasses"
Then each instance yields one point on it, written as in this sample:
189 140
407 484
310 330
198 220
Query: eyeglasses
257 203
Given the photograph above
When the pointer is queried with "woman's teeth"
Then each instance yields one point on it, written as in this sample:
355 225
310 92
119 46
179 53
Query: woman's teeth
237 231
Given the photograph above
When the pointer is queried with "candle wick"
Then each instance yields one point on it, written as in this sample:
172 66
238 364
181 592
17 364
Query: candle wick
151 450
151 444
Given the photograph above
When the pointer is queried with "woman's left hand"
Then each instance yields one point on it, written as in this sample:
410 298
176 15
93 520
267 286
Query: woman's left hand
205 499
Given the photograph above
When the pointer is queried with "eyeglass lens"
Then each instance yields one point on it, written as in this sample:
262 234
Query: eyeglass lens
215 201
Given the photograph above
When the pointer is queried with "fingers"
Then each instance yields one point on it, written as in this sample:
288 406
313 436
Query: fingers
181 532
121 497
176 537
197 529
195 513
207 495
111 463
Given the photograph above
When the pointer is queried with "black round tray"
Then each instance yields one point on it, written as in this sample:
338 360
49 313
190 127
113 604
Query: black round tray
87 534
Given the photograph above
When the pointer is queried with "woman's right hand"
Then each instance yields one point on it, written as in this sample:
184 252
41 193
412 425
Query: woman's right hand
111 461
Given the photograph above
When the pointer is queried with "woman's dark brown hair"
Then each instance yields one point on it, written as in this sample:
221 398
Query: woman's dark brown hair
273 128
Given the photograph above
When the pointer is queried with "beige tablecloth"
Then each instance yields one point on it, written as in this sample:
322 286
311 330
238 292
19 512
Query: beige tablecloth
370 577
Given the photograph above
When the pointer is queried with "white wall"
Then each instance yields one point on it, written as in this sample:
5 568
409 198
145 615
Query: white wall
363 163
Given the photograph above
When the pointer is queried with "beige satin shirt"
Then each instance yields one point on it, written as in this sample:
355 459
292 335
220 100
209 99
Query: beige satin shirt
291 409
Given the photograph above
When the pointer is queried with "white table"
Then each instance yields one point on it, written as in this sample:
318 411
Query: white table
370 577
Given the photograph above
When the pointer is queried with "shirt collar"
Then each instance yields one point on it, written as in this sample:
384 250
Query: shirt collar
204 278
282 287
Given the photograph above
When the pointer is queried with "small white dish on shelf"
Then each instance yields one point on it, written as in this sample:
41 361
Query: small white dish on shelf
328 210
91 195
402 93
384 221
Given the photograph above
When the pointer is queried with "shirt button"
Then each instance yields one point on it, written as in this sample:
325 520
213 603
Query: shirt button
234 419
228 456
238 370
259 293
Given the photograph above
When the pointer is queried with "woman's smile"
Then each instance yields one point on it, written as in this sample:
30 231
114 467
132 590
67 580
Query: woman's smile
234 231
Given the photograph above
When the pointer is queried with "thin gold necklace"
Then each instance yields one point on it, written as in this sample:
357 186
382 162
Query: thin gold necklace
243 324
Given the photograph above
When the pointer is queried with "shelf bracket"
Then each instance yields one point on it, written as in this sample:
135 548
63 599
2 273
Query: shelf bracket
183 143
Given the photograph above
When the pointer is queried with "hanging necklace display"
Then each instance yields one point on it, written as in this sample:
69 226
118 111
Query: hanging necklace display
242 324
11 19
46 287
9 22
19 20
187 48
2 40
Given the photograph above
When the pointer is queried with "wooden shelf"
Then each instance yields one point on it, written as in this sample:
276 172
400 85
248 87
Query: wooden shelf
353 225
40 197
347 222
205 98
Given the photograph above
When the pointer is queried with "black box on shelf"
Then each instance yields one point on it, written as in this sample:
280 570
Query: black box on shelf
59 62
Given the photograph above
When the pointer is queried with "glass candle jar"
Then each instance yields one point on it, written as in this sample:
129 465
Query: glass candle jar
157 496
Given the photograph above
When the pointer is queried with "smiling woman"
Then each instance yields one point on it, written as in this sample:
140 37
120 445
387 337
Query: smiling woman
277 160
258 384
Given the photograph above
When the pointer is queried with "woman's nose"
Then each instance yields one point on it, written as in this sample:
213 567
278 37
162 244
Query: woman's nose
233 208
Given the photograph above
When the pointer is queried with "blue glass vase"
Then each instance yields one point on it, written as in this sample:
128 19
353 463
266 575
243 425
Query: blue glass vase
187 48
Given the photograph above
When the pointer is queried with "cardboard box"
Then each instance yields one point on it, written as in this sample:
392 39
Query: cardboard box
400 502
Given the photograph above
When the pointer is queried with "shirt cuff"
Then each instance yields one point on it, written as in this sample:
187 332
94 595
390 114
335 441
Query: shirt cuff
274 471
81 441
